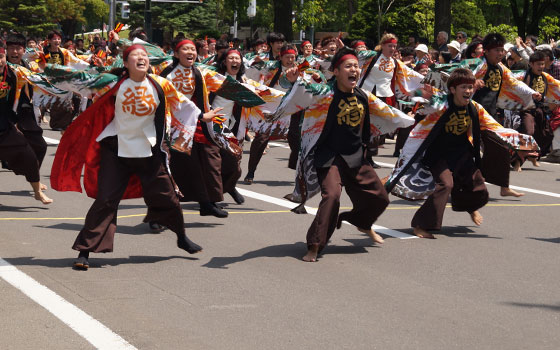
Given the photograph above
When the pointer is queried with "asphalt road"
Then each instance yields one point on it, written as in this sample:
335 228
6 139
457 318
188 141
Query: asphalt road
490 287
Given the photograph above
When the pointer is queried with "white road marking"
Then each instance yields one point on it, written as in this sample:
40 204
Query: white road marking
287 204
51 141
551 194
274 144
86 326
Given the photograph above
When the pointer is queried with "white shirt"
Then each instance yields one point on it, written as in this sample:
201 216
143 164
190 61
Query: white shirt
183 80
135 109
380 77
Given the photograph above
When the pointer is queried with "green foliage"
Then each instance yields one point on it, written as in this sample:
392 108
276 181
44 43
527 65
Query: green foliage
466 16
27 16
61 10
324 15
401 18
424 17
509 32
95 13
192 19
550 29
363 24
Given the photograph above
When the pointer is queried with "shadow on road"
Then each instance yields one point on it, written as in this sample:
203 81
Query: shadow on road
555 308
452 231
8 208
295 251
550 240
140 229
94 261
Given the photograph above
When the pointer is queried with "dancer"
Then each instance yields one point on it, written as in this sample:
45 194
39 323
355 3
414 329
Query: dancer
495 85
534 121
339 119
22 147
272 74
442 157
198 174
122 141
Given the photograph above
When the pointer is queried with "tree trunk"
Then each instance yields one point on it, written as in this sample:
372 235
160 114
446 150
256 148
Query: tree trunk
351 7
442 21
68 27
283 18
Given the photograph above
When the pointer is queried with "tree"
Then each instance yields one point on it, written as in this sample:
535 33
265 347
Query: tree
424 18
528 13
67 13
467 17
442 18
194 20
403 18
95 12
26 16
550 29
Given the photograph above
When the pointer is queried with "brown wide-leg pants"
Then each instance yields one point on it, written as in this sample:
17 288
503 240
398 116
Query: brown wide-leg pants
206 174
18 153
258 146
368 196
534 123
98 232
28 126
294 139
496 160
465 185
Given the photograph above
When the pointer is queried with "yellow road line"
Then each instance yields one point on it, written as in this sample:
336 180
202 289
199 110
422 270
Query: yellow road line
137 215
284 211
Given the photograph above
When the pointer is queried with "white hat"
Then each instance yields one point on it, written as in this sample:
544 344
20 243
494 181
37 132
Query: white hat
508 46
543 46
454 44
422 48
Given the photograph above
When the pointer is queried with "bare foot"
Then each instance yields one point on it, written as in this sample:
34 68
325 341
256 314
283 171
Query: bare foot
312 252
373 235
43 187
420 232
40 196
476 217
508 192
535 162
517 166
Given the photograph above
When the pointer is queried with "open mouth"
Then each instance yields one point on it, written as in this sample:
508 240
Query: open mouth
234 67
353 78
141 64
190 58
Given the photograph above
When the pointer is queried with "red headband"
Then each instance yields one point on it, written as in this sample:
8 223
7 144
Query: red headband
305 43
183 42
344 58
288 51
211 41
132 48
230 52
2 50
390 41
54 36
359 43
461 81
420 66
